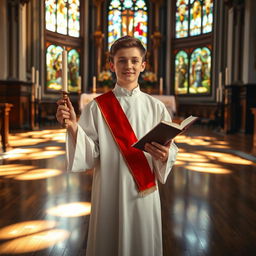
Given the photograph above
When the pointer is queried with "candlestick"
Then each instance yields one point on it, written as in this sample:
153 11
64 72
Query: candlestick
226 76
161 86
33 74
65 98
217 95
94 84
64 71
39 92
79 84
220 79
36 84
221 94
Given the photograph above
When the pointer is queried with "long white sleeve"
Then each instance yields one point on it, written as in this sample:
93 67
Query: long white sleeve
83 153
161 169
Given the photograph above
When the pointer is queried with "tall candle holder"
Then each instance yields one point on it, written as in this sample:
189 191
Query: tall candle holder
37 113
65 98
34 100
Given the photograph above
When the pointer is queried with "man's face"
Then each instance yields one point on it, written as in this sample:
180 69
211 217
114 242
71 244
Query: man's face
127 65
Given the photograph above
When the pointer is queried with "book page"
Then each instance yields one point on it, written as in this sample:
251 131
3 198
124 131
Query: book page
178 126
187 121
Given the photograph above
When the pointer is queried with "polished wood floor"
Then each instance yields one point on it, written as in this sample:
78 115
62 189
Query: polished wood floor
208 202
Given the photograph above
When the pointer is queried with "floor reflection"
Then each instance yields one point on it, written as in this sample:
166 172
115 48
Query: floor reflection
208 201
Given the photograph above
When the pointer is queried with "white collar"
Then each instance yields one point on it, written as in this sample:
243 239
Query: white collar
120 91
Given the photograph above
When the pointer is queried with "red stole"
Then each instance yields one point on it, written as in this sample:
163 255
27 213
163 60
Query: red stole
124 136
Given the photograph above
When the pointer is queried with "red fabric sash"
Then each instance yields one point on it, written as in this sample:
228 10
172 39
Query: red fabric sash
124 136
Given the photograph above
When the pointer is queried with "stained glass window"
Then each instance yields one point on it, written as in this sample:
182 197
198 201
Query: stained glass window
181 72
207 16
54 68
200 71
193 17
53 63
50 15
127 17
73 70
63 16
192 63
182 18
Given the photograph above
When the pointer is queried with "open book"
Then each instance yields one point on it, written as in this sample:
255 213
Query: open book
164 132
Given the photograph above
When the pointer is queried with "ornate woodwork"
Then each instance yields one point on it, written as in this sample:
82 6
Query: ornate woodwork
4 124
254 131
239 99
17 93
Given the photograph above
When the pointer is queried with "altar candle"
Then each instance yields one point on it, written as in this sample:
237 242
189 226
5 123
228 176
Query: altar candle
217 95
39 92
221 94
220 79
36 84
79 87
226 76
161 86
94 84
64 71
33 75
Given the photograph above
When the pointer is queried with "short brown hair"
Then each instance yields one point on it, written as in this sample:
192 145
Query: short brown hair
126 42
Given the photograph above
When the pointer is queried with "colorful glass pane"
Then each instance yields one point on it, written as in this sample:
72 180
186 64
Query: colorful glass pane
181 73
53 68
62 16
181 18
114 26
140 26
195 18
200 71
207 16
127 17
114 4
127 22
140 4
50 15
73 18
128 4
73 70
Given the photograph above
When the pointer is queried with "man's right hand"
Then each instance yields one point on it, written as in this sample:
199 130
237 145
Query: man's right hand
66 112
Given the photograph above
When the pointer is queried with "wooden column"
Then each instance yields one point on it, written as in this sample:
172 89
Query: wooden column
254 129
156 36
156 39
232 118
98 36
4 117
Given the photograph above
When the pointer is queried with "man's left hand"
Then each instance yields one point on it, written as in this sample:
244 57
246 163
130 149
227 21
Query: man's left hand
158 151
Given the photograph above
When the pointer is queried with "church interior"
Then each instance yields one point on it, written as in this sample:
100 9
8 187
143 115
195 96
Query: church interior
201 61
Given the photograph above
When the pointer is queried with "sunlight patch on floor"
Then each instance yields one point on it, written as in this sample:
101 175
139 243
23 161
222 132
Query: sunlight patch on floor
75 209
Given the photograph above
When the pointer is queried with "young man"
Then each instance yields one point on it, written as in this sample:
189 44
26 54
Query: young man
126 215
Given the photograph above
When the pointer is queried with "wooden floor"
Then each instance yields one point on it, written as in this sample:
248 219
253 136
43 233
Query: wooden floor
208 202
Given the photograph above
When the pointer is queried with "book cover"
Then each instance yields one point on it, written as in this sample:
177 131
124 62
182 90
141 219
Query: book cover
164 131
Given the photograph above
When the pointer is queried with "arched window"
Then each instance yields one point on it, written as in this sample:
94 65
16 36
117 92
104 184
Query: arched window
193 49
62 22
127 17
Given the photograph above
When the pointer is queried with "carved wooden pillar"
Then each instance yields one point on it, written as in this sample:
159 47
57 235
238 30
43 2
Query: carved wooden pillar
254 131
13 38
232 109
4 115
98 36
156 39
156 36
235 40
